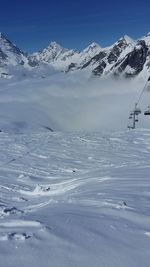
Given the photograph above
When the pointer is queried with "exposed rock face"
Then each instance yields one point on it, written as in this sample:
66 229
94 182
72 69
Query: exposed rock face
135 59
72 66
97 59
126 57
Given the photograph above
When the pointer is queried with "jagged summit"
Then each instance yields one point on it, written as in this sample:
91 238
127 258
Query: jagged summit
125 57
53 45
148 34
146 38
4 42
2 35
11 57
126 39
92 46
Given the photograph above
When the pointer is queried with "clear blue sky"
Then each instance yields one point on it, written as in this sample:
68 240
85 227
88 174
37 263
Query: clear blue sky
72 23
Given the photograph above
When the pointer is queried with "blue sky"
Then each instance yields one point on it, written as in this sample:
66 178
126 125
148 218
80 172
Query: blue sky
74 24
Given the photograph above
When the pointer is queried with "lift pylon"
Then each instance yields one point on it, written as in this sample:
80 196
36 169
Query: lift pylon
134 116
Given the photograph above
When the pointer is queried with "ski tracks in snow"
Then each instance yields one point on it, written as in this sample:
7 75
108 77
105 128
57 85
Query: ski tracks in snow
100 177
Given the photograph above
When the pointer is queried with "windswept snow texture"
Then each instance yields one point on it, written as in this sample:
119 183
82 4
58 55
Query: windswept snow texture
80 200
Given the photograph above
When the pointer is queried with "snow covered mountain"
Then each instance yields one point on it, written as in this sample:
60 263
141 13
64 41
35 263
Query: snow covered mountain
55 55
62 58
10 56
125 57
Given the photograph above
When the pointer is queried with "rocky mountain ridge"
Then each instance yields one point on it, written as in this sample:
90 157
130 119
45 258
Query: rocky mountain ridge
125 57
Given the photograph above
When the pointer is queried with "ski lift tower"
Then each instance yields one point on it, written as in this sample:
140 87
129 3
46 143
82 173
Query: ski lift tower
134 117
134 114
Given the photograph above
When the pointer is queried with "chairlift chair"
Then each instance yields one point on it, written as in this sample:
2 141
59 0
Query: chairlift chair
131 115
147 112
130 127
137 111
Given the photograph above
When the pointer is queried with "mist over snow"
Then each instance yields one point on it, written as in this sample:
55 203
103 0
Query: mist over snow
78 196
74 102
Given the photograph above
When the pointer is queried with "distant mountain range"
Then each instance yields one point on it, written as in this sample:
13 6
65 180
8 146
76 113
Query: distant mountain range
125 57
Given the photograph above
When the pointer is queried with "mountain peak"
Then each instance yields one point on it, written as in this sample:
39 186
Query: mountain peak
2 36
55 47
53 43
148 34
146 38
93 58
127 39
92 47
4 41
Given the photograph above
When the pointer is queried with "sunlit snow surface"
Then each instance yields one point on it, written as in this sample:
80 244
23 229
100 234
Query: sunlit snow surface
80 200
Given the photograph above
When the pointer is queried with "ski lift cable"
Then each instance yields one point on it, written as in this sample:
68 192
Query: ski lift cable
134 114
143 90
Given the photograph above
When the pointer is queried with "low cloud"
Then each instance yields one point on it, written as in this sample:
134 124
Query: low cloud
71 102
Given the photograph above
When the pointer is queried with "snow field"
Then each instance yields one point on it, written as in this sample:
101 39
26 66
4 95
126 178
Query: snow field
75 199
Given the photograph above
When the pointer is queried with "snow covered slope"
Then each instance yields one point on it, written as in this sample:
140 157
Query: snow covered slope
75 199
